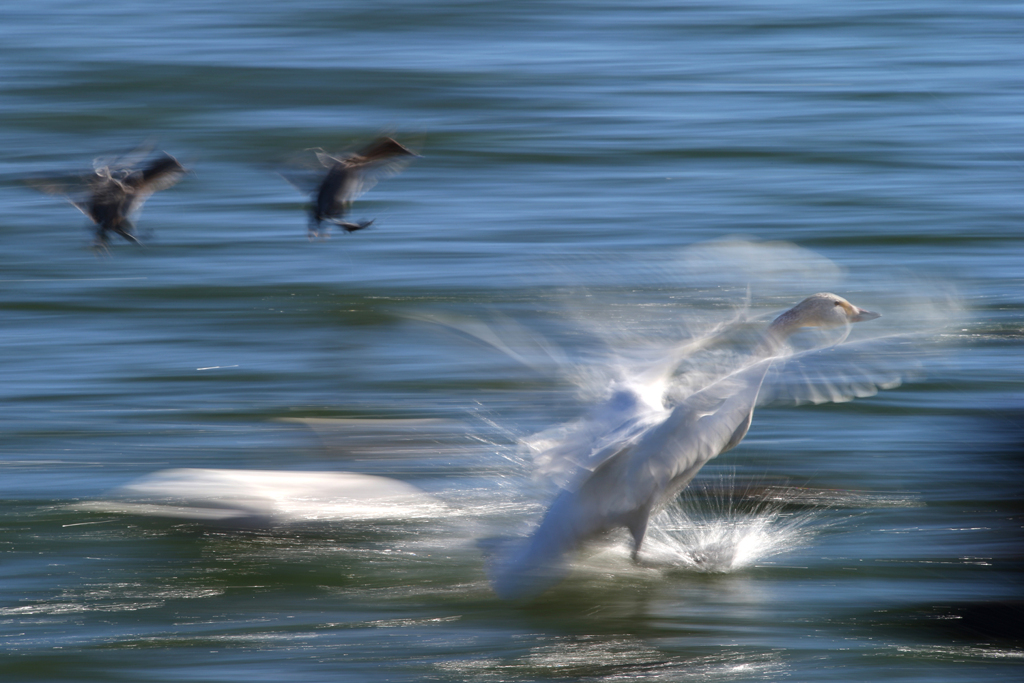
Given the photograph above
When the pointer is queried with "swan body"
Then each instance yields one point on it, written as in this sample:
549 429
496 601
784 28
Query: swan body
652 458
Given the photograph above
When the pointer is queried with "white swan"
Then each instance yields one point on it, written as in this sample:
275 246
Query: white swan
647 455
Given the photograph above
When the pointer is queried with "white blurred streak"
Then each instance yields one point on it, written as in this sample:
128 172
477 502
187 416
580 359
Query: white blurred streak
268 497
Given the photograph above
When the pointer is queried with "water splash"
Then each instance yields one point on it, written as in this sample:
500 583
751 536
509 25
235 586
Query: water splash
717 527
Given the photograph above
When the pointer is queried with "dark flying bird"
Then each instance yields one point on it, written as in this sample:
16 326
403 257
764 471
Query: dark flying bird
348 176
113 194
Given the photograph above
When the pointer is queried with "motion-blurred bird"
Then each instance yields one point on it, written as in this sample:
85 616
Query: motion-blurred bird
113 194
347 177
648 455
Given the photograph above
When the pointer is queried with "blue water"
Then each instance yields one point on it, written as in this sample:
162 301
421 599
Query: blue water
593 175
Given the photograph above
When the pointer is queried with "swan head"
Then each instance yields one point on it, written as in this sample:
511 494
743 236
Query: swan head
823 310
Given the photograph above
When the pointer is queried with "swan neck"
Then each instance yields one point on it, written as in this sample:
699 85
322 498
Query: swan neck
777 334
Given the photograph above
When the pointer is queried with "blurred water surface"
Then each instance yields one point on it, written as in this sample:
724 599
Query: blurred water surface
593 174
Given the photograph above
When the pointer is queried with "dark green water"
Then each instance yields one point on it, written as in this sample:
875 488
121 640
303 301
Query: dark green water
593 174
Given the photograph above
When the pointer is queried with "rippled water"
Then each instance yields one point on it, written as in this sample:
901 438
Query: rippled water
595 176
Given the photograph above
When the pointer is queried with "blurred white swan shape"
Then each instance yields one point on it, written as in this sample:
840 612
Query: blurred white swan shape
631 455
267 498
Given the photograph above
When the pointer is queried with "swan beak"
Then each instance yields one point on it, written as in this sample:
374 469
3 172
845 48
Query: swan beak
862 315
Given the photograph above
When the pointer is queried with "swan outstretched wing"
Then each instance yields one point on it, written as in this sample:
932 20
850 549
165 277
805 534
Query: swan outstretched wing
561 453
840 373
669 453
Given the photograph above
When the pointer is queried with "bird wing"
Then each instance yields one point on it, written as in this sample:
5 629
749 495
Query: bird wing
75 189
562 452
665 453
840 373
380 159
652 462
128 160
383 148
670 452
361 179
304 180
637 401
160 174
305 170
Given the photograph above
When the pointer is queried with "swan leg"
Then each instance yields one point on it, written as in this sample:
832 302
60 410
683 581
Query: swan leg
638 528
